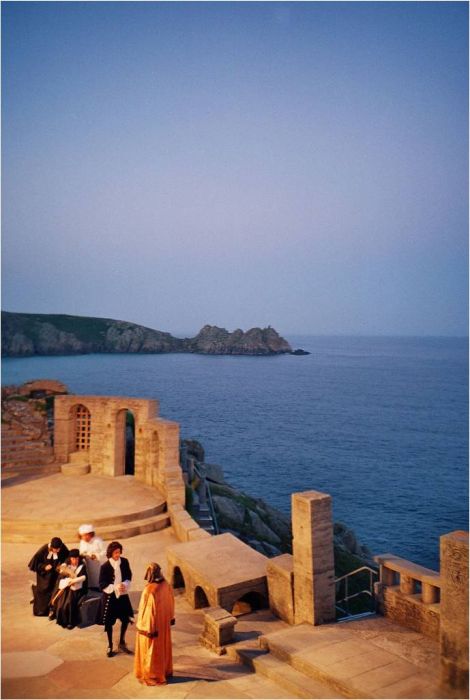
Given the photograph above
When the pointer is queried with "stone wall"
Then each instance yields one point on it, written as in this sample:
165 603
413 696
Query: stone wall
156 460
408 610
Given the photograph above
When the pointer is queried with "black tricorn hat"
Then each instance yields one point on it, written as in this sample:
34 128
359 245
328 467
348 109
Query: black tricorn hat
56 543
74 553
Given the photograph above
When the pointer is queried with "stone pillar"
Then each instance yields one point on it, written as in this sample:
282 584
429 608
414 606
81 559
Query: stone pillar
314 576
454 610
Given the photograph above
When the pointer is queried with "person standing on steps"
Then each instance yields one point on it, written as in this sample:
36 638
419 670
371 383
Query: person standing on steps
153 663
44 563
93 550
114 582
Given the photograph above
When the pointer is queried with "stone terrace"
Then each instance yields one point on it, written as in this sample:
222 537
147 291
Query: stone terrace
42 660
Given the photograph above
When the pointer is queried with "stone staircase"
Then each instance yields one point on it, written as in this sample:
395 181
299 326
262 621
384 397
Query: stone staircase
370 658
25 454
294 682
108 528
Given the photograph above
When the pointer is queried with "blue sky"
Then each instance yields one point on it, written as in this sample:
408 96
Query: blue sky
303 165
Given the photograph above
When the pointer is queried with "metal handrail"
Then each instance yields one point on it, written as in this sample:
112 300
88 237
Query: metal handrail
211 503
345 578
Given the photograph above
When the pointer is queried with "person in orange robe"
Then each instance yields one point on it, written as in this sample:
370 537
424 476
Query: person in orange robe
153 662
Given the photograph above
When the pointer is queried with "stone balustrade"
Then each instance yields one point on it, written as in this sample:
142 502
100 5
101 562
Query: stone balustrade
412 577
409 594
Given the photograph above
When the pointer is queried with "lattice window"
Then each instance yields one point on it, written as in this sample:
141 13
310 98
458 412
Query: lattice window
83 428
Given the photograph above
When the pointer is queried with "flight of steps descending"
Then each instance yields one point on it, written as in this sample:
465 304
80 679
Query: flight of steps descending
109 528
202 515
25 454
369 658
294 682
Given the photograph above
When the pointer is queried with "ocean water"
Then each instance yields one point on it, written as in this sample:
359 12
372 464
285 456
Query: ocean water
379 423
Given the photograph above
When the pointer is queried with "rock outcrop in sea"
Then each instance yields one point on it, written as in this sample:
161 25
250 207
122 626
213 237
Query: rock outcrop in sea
24 335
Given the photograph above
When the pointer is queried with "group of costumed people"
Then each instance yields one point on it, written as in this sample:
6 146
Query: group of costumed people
63 578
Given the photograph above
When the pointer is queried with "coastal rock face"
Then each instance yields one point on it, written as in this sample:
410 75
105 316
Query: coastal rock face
257 341
267 529
56 334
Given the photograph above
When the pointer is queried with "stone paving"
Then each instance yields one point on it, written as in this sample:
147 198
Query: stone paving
367 658
42 660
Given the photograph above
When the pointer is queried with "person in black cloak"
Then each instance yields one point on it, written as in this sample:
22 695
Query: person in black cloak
44 563
72 585
115 579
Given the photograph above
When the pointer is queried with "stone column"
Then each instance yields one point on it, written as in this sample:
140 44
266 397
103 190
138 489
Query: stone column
314 576
454 610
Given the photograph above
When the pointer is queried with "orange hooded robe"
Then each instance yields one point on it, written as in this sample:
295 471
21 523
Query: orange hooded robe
153 662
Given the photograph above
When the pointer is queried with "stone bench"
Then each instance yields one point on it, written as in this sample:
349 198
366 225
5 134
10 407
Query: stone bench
219 571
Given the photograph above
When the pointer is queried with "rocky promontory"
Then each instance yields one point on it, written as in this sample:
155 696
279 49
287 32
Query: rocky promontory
24 335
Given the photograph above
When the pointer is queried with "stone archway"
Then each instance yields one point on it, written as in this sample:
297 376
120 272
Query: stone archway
125 439
178 582
250 602
200 598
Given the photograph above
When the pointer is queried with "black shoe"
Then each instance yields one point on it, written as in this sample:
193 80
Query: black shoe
70 627
51 616
124 648
110 652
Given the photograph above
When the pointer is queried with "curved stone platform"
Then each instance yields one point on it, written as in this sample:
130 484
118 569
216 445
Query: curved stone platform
56 504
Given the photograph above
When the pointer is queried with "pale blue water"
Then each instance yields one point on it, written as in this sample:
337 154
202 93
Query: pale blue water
379 423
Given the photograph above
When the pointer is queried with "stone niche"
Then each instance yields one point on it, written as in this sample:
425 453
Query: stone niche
95 426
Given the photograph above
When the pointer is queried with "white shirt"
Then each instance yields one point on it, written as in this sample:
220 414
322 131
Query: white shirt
97 547
117 579
77 582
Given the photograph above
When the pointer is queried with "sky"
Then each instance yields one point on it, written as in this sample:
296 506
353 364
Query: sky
299 165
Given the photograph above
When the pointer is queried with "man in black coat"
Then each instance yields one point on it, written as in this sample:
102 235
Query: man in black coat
45 563
115 579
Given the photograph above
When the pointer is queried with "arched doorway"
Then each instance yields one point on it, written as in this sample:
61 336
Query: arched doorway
178 579
200 598
130 443
249 603
124 443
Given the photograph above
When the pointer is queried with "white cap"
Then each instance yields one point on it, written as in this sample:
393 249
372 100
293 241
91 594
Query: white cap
85 529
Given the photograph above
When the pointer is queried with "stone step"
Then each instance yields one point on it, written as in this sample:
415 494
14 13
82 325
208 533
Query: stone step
280 649
123 520
246 653
25 463
26 451
14 442
12 475
136 527
295 682
13 533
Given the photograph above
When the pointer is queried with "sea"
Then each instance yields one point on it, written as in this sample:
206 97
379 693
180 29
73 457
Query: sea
380 423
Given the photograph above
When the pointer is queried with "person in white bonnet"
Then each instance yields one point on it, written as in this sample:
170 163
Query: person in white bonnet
93 549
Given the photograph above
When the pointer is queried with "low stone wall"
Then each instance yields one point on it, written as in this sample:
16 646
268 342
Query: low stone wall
184 526
280 573
408 610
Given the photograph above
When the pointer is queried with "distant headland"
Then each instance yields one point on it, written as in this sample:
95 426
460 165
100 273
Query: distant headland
24 335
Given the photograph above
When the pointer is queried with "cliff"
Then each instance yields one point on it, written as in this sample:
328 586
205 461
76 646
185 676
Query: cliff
255 522
59 334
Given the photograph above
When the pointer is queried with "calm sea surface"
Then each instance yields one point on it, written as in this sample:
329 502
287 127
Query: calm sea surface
379 423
